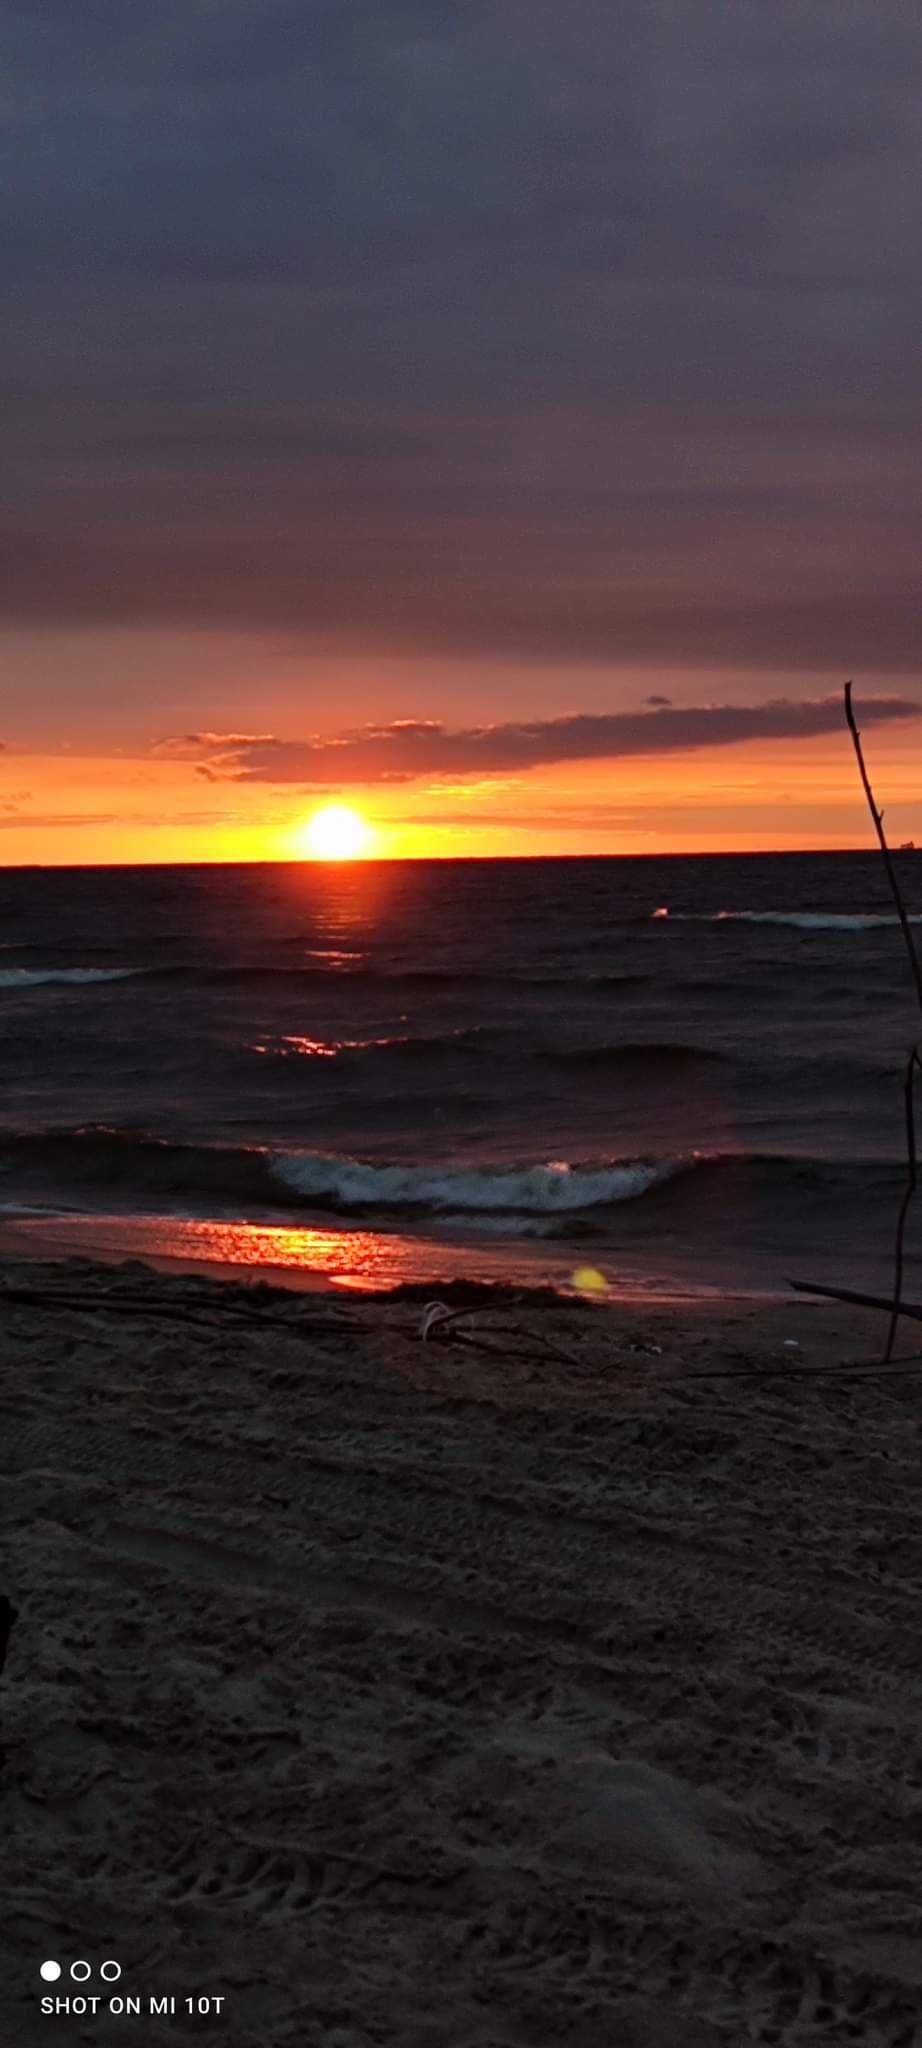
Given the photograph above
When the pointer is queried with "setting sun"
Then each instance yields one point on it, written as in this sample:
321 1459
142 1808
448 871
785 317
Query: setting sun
335 833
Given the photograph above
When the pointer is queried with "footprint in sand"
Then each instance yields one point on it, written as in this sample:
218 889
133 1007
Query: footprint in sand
647 1822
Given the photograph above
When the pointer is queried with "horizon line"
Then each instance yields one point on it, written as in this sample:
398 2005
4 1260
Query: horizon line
457 859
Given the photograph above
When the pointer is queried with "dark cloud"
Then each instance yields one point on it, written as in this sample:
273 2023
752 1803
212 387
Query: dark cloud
390 579
562 331
410 750
180 746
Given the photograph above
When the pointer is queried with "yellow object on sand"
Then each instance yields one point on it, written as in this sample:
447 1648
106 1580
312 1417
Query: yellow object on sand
588 1280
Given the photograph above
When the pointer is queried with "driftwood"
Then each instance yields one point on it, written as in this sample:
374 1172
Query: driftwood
8 1615
214 1316
439 1325
909 1309
849 1368
894 1306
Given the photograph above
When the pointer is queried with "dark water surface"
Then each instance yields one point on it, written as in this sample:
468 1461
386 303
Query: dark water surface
673 1070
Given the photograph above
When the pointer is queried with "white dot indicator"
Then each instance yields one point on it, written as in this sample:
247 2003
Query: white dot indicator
81 1971
50 1971
111 1971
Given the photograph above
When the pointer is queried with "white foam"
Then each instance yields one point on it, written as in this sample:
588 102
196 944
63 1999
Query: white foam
35 977
811 920
28 1209
500 1223
803 920
548 1189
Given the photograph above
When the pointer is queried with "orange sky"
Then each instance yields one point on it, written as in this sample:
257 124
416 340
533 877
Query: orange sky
95 765
66 805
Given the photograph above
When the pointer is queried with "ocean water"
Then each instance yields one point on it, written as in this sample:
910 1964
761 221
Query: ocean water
680 1073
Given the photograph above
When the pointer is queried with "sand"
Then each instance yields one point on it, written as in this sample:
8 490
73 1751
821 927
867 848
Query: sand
565 1693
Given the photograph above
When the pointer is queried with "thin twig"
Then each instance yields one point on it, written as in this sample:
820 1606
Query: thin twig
877 816
913 1061
912 1182
868 1369
216 1316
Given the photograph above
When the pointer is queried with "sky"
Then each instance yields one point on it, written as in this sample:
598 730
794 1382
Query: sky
502 418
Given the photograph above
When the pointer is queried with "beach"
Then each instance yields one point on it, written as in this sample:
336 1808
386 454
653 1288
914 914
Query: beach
553 1683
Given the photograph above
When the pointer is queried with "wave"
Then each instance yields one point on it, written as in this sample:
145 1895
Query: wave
813 920
550 1189
607 981
478 1040
633 1057
506 1223
98 1158
294 1046
137 1167
255 972
13 978
441 979
800 920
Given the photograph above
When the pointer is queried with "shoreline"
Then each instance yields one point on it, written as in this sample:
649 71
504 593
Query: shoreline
365 1262
641 1251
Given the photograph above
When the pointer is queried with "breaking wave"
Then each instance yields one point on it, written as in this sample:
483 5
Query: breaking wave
546 1189
97 1167
800 920
99 1160
34 977
635 1058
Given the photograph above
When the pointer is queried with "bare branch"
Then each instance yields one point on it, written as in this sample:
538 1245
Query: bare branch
878 818
895 1306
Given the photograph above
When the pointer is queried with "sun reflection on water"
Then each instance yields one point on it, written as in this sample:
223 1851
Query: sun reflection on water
300 1255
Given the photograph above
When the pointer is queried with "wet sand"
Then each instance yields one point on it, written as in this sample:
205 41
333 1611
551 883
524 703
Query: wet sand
561 1691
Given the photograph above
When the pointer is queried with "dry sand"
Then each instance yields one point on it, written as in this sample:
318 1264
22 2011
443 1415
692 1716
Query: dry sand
429 1696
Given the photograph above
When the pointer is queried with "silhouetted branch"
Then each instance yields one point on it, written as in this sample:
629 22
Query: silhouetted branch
909 1309
878 818
912 1182
895 1306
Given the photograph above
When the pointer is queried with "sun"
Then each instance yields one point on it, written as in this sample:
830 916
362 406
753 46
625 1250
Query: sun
335 833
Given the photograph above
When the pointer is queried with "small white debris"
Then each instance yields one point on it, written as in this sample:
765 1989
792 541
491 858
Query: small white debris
434 1313
792 1343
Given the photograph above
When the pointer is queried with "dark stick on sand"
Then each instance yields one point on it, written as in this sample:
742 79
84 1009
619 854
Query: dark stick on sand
895 1305
912 1181
215 1315
909 1309
8 1615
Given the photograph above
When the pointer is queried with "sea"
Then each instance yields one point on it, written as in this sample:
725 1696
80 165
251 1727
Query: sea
624 1076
